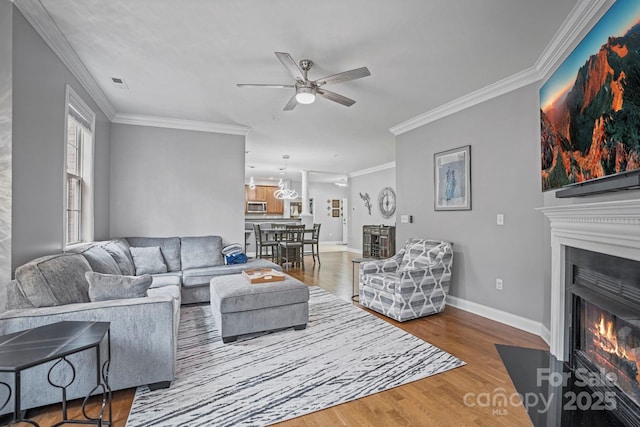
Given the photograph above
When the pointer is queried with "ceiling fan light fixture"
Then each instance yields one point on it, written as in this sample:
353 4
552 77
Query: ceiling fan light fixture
305 95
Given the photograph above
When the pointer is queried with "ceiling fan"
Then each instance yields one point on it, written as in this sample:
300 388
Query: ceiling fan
306 90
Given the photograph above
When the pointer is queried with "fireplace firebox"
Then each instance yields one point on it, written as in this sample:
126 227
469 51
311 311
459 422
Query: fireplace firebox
603 320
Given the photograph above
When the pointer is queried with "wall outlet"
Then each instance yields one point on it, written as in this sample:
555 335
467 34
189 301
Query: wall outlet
500 219
499 284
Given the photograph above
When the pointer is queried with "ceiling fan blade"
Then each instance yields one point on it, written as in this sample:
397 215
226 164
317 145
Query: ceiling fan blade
265 85
290 65
332 96
344 76
291 104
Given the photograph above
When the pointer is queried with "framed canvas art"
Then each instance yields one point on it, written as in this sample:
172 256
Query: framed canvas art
452 179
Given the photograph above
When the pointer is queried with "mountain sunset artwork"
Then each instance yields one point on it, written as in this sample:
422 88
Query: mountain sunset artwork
590 107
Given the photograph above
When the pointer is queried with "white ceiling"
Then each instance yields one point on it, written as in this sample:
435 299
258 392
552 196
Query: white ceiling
182 60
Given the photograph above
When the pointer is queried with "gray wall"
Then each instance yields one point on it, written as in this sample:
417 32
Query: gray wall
168 182
6 79
331 228
371 183
505 178
39 79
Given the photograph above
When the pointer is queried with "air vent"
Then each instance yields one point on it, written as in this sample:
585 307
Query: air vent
119 83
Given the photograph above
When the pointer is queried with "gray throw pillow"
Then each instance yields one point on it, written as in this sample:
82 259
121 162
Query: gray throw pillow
104 287
148 260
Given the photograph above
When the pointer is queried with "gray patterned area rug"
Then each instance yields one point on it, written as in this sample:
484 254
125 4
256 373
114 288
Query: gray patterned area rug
344 354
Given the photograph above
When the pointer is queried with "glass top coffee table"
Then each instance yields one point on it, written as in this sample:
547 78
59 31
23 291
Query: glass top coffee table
25 349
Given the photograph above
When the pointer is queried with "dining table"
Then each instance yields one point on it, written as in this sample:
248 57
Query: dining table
275 233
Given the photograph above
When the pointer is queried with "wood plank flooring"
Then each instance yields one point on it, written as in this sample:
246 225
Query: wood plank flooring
434 401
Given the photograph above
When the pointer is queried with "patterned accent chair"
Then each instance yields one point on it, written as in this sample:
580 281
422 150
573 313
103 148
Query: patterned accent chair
411 284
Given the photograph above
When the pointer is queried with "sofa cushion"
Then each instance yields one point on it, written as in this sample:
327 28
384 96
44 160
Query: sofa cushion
169 246
54 280
173 278
100 260
148 260
119 251
201 251
15 297
104 287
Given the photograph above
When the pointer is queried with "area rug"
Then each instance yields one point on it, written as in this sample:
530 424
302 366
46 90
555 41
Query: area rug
344 354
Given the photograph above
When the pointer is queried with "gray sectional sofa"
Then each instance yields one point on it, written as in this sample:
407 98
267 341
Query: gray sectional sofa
144 329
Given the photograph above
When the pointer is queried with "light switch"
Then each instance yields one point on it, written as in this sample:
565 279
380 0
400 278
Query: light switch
500 219
404 219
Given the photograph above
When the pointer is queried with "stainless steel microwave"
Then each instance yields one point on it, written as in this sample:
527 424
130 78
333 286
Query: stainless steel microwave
256 207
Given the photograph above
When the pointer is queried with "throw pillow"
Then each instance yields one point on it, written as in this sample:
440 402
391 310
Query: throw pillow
148 260
104 287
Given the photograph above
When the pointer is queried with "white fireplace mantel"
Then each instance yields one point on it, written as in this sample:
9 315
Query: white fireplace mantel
611 228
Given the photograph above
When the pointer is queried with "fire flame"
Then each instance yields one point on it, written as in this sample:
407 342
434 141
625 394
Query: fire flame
606 339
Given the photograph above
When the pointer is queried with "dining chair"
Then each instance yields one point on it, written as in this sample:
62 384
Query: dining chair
314 242
291 246
264 246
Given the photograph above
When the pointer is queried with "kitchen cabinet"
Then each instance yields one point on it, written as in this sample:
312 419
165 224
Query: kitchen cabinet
257 194
264 193
274 206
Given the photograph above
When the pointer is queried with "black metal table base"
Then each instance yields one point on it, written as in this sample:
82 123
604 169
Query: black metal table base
102 388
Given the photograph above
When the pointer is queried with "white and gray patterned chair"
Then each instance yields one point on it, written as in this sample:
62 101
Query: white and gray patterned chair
411 284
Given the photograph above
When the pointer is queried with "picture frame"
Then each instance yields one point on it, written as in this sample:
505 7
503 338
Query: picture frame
335 213
335 203
452 179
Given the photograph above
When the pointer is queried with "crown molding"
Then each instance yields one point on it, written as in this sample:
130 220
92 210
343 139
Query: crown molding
163 122
578 21
573 26
494 90
41 21
374 169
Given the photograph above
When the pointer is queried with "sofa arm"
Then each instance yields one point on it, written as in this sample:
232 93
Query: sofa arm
143 345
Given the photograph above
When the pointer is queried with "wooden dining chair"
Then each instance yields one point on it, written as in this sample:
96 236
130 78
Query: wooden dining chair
291 246
264 246
313 240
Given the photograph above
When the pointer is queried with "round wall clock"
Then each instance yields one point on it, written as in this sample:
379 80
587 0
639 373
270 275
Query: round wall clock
387 202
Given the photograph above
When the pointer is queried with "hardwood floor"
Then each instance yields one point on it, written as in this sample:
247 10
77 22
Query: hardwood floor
433 401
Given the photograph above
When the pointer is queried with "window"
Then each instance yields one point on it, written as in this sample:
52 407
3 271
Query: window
78 181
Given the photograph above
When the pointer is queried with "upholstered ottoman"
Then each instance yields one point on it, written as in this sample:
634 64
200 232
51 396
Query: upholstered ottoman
240 307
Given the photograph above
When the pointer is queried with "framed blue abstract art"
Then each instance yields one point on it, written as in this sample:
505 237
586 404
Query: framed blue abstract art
452 179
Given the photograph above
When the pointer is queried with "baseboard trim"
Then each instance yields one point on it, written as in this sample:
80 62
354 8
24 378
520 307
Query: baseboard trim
354 250
504 317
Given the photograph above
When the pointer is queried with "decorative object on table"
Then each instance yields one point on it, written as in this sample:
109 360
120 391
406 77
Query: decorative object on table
263 275
387 202
234 254
305 89
372 354
416 280
588 110
367 201
284 192
452 179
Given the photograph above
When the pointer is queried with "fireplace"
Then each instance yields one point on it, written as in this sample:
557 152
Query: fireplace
603 321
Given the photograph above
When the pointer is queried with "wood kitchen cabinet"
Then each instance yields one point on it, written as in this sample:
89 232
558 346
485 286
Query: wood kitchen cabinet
274 206
257 194
264 193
